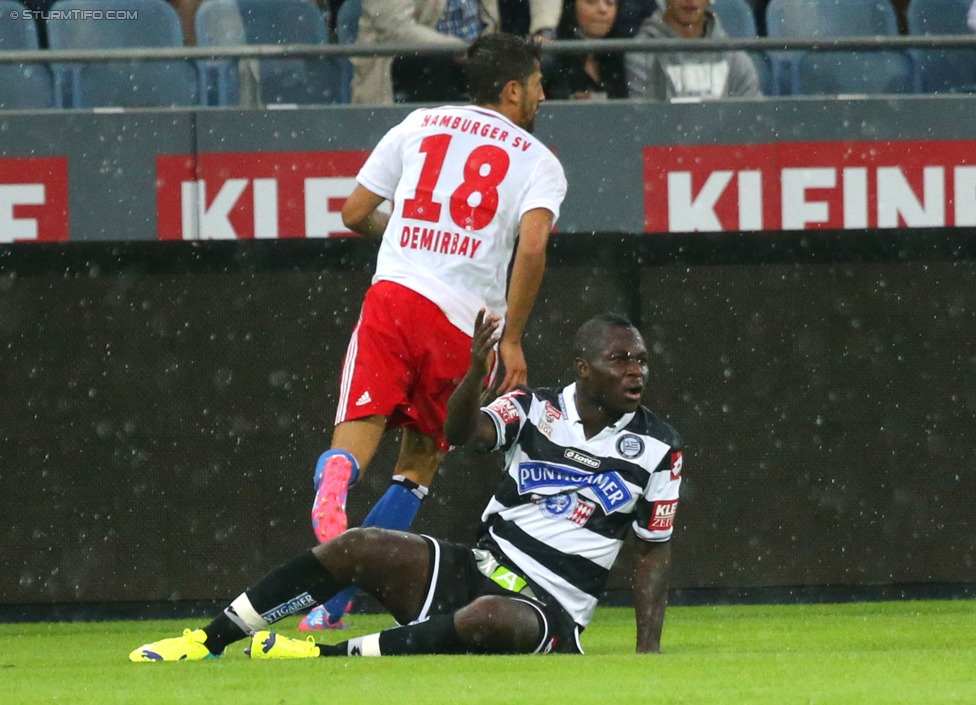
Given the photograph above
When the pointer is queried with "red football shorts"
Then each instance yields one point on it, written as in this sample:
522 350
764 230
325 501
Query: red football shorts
404 360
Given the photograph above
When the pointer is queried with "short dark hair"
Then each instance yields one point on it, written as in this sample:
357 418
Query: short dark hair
587 334
494 60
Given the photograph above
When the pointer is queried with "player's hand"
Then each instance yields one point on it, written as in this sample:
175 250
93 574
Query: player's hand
513 359
483 341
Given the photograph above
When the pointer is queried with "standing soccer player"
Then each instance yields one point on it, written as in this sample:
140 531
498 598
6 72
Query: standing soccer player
465 183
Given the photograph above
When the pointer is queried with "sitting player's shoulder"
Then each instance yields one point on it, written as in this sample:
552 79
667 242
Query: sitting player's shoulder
646 423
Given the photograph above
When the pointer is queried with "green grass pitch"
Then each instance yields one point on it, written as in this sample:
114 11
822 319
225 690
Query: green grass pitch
872 652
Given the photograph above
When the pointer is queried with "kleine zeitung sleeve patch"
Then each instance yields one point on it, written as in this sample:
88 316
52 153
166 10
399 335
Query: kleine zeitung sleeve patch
662 515
506 409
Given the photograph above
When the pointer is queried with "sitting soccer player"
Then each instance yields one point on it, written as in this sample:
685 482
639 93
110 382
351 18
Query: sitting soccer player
586 464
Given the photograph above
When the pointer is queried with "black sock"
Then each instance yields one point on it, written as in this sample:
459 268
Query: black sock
290 588
435 636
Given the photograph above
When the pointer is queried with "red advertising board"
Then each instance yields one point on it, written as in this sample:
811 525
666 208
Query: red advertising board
34 199
262 195
807 185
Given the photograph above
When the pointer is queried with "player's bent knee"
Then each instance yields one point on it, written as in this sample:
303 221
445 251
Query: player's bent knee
352 539
347 542
497 624
357 544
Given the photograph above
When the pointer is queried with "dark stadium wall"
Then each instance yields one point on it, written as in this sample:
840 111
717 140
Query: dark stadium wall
164 401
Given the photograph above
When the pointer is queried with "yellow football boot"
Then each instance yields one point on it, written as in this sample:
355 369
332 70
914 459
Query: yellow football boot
188 647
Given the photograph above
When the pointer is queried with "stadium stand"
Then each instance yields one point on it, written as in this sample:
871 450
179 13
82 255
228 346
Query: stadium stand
736 17
347 31
839 72
300 80
22 86
738 21
942 70
130 84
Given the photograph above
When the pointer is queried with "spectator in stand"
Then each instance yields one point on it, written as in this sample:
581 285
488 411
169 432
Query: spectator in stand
589 76
449 23
664 76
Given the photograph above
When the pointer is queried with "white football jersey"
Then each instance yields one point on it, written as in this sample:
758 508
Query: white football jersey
460 178
567 502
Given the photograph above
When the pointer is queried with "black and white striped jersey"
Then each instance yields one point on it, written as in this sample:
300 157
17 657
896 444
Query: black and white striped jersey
562 512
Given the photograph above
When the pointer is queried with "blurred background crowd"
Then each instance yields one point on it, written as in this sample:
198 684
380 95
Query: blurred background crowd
452 24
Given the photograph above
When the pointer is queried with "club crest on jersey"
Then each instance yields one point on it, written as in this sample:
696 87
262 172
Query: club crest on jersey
630 446
566 506
609 487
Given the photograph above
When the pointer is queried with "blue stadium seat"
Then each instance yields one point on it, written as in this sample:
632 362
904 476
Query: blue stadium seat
736 17
942 70
840 72
831 18
300 80
347 30
853 73
127 84
22 86
738 21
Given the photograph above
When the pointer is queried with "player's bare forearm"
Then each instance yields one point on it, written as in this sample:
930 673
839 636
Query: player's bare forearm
651 593
522 292
360 213
464 421
373 225
523 288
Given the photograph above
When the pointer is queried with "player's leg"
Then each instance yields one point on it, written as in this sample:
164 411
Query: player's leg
354 444
374 383
492 624
500 625
420 456
392 566
435 361
462 612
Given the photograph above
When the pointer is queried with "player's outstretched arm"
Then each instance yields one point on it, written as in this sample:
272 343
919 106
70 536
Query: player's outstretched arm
360 213
527 270
651 593
465 423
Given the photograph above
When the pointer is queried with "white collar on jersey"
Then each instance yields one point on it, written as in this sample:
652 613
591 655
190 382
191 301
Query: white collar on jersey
567 400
